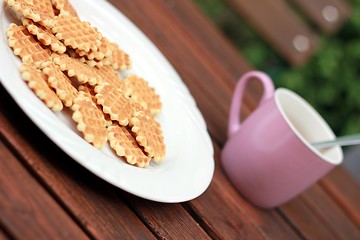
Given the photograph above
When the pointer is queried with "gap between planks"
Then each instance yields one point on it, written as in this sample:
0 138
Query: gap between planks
5 234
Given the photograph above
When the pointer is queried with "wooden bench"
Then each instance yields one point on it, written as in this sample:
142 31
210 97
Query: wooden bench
44 194
291 36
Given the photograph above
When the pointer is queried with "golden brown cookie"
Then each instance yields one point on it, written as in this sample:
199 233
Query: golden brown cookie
105 50
26 46
110 76
90 93
40 11
65 8
90 120
76 34
88 90
74 68
114 103
37 81
120 60
60 82
149 135
96 63
126 146
44 35
143 94
139 108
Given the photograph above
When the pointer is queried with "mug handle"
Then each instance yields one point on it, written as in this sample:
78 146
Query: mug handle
235 109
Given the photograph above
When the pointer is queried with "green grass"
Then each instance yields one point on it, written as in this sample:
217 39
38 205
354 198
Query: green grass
330 80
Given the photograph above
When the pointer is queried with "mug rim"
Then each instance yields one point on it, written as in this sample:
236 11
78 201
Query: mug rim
317 116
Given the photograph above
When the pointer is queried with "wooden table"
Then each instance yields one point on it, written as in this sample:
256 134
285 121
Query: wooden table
46 195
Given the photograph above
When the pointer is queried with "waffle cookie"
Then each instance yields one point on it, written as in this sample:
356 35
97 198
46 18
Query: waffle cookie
60 82
143 94
108 74
139 108
76 34
25 46
96 63
148 134
65 8
44 35
114 103
125 145
74 68
37 82
105 50
90 120
89 92
120 60
40 11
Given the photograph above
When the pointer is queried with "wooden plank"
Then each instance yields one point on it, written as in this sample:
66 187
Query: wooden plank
203 76
26 209
328 216
344 190
281 27
235 217
330 213
168 221
302 218
93 202
329 15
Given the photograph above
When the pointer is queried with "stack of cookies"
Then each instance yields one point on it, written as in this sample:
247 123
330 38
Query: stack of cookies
68 63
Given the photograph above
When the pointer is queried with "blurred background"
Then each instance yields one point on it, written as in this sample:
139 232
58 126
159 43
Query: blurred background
329 79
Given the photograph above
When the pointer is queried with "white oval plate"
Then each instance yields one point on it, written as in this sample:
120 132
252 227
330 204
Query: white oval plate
188 167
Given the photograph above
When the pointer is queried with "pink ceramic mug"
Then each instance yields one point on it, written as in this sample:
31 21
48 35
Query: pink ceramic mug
268 157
